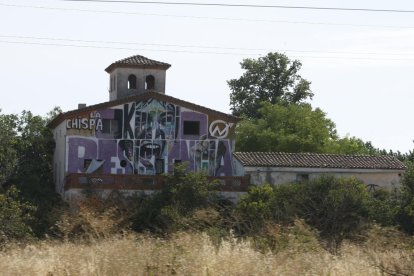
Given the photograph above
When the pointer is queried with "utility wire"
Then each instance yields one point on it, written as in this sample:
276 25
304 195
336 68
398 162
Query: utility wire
194 52
244 5
201 47
207 17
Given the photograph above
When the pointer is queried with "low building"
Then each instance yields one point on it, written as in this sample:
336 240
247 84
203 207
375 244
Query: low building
279 168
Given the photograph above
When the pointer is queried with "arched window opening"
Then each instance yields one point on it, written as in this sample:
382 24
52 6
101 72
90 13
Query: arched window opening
149 82
132 82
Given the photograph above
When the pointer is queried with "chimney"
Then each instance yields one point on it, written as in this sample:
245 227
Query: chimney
81 105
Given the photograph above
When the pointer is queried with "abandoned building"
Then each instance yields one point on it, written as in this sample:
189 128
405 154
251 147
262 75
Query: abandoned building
131 141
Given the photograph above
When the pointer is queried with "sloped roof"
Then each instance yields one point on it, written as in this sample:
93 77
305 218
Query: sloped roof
141 97
137 61
315 160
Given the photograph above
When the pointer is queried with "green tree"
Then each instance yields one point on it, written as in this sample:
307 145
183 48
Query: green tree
289 128
8 152
273 78
26 151
351 145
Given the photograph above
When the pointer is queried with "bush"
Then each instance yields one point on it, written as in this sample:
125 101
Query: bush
405 215
336 207
383 207
15 217
170 208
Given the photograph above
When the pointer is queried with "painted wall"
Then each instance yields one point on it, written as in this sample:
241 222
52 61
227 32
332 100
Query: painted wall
147 138
276 176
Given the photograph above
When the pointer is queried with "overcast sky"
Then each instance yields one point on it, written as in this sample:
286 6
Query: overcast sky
53 53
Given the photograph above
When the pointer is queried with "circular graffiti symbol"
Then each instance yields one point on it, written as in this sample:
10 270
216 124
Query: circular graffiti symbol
219 129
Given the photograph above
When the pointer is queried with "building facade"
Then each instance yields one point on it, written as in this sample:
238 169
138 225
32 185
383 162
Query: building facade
139 132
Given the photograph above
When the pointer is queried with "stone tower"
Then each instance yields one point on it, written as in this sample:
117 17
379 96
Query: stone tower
136 75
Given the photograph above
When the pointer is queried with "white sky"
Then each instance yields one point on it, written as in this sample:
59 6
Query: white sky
360 64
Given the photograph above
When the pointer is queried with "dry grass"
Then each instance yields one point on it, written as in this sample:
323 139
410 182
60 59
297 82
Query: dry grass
195 254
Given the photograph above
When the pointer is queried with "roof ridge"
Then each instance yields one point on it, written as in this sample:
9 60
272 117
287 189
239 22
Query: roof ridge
318 160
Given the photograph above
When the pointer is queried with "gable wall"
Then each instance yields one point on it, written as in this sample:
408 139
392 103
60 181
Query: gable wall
146 134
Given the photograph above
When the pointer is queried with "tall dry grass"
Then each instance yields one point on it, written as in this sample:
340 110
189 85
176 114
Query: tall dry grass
195 254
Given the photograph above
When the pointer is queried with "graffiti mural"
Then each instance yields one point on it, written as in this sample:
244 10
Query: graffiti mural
148 137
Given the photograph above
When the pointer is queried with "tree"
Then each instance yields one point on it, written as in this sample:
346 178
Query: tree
8 153
351 145
289 128
273 78
26 151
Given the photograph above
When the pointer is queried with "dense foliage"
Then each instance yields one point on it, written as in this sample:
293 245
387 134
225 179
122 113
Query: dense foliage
272 97
273 78
26 152
291 128
336 207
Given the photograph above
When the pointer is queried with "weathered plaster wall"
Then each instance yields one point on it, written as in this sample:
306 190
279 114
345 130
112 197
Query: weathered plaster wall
59 164
273 175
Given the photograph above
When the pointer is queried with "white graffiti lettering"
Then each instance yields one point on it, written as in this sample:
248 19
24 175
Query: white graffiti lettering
84 123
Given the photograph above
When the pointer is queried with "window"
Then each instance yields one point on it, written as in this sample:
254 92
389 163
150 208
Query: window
302 177
110 126
191 128
86 163
159 166
149 82
132 82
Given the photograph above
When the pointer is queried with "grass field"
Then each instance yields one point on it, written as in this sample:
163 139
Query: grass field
384 252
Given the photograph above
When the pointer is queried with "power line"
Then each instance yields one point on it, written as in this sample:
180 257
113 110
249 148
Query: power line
192 52
245 5
200 47
208 17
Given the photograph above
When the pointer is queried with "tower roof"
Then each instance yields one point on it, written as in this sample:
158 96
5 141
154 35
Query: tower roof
137 62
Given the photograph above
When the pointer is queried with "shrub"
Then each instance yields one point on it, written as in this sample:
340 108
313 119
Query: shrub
383 207
405 215
15 217
180 197
336 207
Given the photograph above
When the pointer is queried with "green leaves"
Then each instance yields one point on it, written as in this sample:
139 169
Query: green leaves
273 79
288 128
8 143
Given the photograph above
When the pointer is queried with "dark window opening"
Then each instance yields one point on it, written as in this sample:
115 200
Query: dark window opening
132 82
191 128
302 177
110 126
149 82
86 163
159 166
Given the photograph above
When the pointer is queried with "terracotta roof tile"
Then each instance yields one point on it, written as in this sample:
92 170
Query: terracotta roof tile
315 160
138 61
